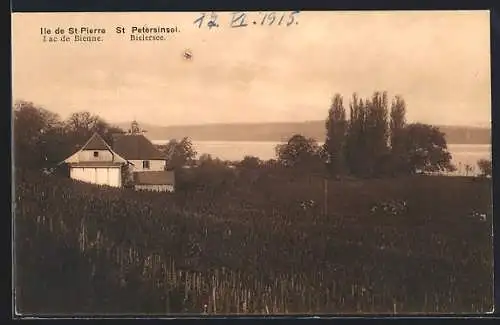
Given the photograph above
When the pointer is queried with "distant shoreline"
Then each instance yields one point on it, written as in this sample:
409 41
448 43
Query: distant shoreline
163 141
280 132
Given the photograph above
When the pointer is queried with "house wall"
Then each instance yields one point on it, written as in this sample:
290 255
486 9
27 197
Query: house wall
110 176
88 155
154 165
156 188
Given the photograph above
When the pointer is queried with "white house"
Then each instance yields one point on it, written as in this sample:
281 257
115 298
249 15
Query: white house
97 163
140 152
147 164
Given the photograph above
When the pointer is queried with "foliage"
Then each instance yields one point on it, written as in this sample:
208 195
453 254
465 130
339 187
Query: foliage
179 153
250 162
127 176
426 149
397 129
336 128
299 152
81 125
485 167
366 149
42 139
206 161
397 123
249 246
368 144
376 133
31 126
379 143
356 139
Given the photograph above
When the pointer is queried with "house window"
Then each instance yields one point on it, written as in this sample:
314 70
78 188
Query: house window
145 164
96 154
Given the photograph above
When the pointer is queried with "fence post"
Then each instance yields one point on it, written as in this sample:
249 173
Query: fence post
325 190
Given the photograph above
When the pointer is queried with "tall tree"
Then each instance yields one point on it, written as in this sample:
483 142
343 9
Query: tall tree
42 139
426 149
32 126
336 127
355 145
397 128
81 125
179 153
81 122
376 155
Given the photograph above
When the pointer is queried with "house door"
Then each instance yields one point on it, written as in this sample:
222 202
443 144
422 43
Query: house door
102 176
91 175
114 177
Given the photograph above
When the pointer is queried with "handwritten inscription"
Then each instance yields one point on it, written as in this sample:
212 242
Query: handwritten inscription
244 19
239 19
211 21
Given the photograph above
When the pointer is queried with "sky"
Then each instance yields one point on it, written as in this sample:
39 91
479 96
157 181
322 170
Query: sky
439 62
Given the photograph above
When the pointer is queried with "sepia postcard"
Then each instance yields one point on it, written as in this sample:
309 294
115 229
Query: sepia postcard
252 163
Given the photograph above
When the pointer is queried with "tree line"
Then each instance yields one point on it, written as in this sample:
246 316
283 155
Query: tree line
372 139
42 139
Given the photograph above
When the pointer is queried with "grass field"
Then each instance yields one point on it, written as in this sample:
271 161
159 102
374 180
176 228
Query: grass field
255 242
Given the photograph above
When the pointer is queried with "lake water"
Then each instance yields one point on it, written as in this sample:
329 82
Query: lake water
462 154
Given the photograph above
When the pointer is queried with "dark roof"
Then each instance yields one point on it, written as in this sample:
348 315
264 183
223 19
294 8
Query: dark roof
96 142
136 147
154 178
91 164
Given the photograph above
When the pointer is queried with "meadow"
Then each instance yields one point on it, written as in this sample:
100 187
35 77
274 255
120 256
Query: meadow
261 241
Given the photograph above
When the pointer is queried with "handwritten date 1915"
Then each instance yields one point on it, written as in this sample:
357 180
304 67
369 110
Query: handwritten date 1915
286 19
243 19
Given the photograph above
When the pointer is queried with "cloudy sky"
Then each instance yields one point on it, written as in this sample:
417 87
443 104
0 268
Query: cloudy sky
438 61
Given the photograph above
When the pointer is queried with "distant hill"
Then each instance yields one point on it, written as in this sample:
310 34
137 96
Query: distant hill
281 131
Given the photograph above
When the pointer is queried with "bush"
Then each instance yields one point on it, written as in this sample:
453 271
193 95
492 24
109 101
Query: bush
485 167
